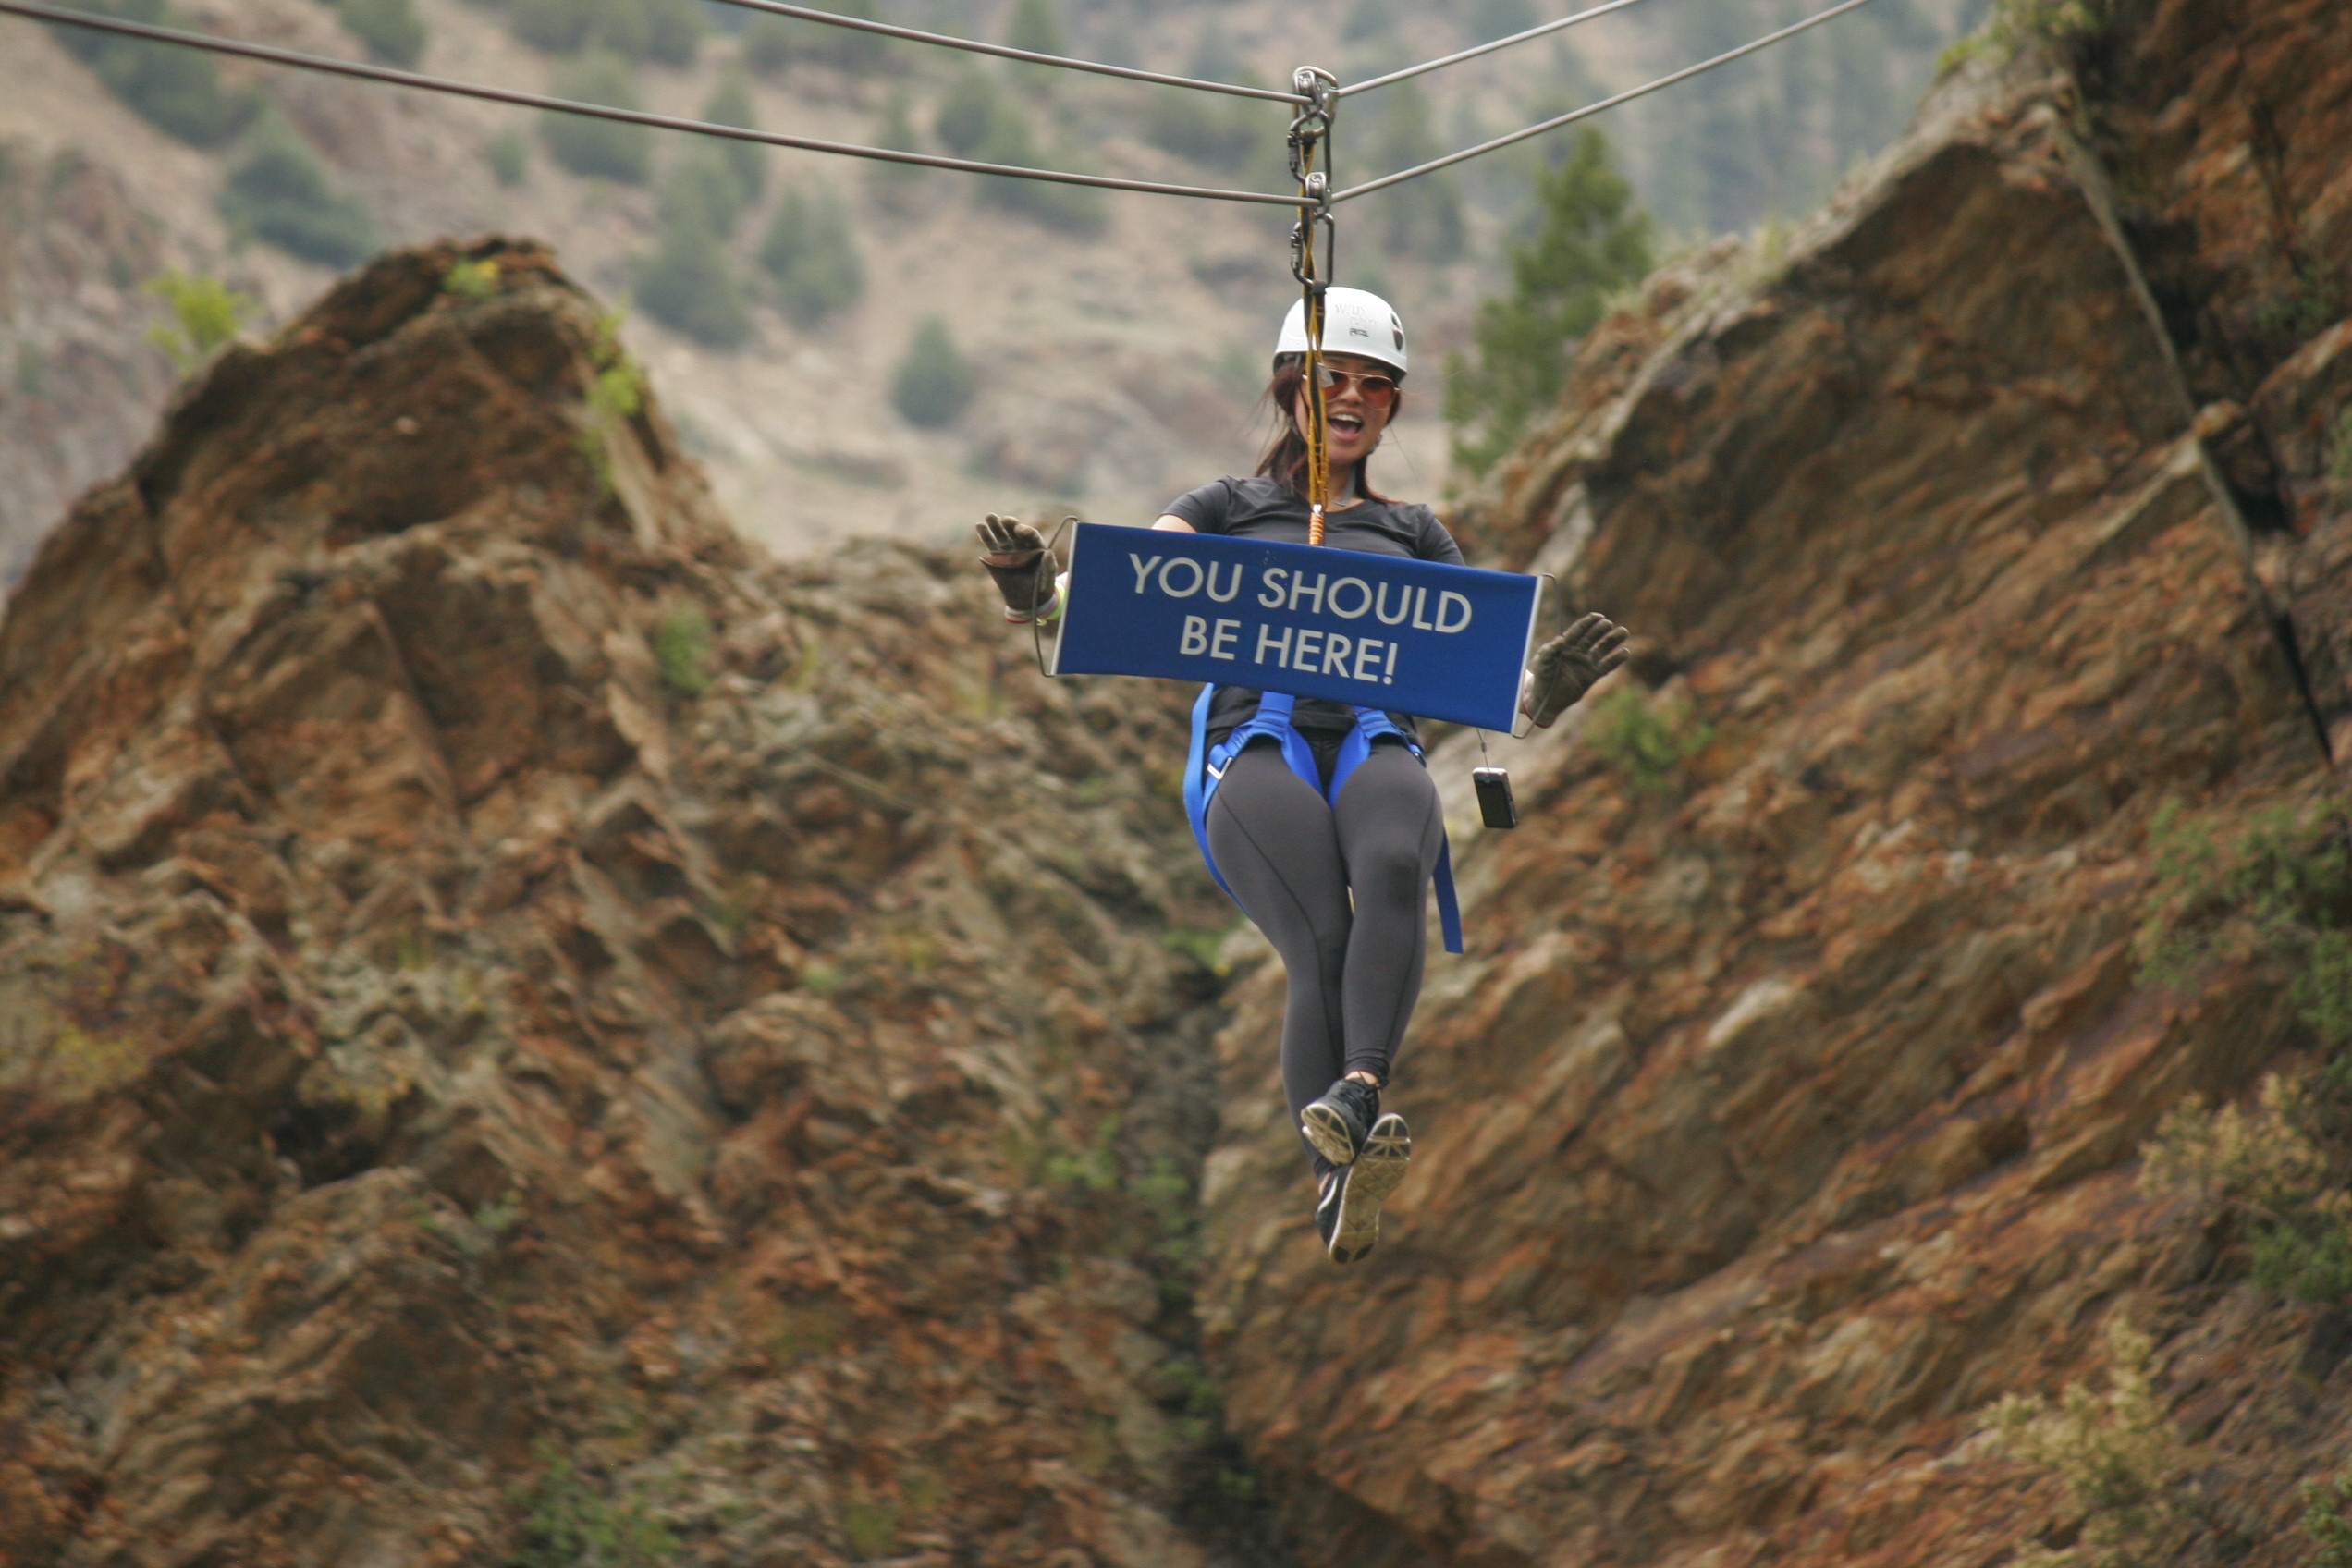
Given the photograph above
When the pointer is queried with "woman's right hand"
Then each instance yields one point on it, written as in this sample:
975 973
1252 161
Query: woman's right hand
1012 550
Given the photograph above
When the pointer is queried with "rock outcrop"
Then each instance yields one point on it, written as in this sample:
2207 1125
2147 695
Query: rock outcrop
1785 1113
523 1026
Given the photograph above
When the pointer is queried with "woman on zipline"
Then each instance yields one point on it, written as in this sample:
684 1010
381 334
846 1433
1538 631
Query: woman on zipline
1337 887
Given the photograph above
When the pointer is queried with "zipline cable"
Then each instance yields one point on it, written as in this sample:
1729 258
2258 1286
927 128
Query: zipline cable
270 53
1433 164
1003 51
1428 66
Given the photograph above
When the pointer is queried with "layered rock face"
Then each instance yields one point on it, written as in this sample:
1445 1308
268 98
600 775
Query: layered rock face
525 1032
1785 1113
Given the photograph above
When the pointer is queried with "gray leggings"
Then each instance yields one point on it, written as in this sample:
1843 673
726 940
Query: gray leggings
1290 860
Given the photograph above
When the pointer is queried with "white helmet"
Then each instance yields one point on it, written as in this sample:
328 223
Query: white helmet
1353 323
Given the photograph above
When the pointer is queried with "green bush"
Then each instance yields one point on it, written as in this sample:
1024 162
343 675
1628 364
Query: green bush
730 103
1422 218
2281 889
205 314
772 42
1647 743
509 156
1073 209
703 191
2267 1169
2124 1465
934 383
894 185
390 29
811 252
968 112
1220 133
2324 1505
667 30
606 148
569 1523
687 285
1593 242
682 652
176 90
277 190
1036 27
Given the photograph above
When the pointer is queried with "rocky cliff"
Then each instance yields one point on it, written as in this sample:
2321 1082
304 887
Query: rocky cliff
529 1035
1785 1111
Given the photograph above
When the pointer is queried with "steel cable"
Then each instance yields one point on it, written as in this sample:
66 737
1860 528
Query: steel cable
1433 164
272 55
1428 66
1003 51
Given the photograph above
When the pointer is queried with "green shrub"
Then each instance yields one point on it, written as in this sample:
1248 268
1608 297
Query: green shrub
894 185
772 42
2266 1169
1073 209
682 652
688 286
277 190
1647 743
1591 244
604 149
2122 1464
509 156
569 1523
476 281
2324 1503
870 1529
934 383
2282 889
703 191
176 90
390 29
1036 27
968 112
730 103
812 252
205 314
1220 133
667 30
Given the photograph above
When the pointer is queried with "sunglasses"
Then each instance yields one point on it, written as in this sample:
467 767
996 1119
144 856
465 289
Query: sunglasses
1378 391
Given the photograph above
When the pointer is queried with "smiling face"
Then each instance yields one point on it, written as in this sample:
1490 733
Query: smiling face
1355 422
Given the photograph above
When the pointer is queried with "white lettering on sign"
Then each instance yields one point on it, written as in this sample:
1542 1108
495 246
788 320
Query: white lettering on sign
1335 655
1266 640
1420 603
1142 569
1450 597
1310 648
1226 596
1226 630
1364 650
1168 575
1272 598
1195 636
1362 604
1299 590
1404 605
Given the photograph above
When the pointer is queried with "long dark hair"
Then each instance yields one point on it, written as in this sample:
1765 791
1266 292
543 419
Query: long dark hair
1285 460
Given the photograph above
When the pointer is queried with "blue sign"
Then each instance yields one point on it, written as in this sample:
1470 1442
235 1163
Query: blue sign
1376 631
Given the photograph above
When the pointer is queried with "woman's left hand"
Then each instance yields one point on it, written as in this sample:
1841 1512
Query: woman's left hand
1565 668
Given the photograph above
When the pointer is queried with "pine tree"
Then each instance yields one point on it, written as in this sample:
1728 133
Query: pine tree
933 383
1593 242
812 252
730 103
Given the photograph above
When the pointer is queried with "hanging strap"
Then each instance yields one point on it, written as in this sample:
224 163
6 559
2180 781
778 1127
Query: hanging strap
1205 768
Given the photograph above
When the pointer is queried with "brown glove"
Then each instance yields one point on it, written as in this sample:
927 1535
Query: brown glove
1564 668
1015 555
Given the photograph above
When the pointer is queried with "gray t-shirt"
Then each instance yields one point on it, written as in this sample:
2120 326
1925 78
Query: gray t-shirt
1259 508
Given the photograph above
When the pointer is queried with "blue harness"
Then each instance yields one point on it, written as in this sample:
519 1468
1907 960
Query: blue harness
1205 770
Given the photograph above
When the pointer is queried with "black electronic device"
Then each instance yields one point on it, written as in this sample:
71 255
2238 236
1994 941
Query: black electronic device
1496 808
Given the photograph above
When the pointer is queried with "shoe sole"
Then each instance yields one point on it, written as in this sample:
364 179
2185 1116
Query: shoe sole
1328 1131
1387 1155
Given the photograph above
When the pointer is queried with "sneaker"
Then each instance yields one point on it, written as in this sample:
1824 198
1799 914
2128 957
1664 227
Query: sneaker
1337 1124
1326 1209
1356 1223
